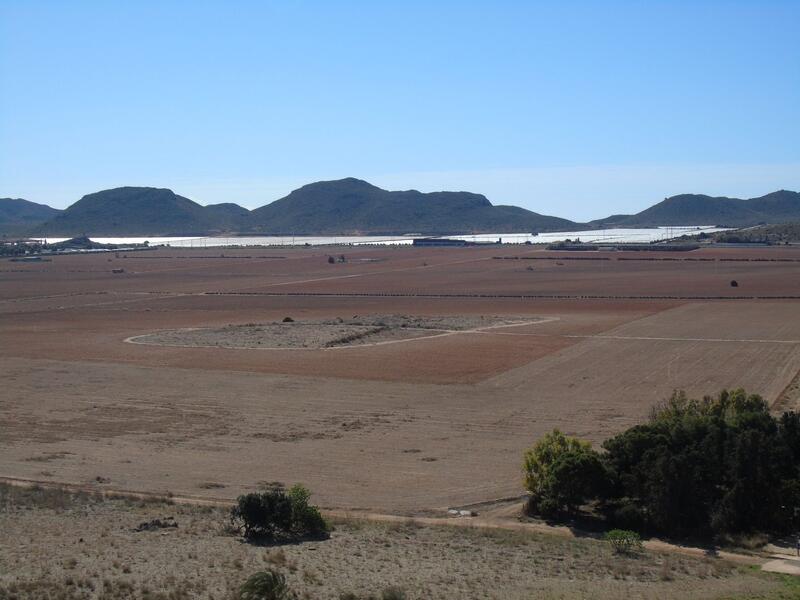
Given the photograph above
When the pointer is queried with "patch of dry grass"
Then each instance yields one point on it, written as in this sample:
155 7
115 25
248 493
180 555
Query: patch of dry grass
83 547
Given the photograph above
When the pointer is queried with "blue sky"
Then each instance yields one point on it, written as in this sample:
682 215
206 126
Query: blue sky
579 109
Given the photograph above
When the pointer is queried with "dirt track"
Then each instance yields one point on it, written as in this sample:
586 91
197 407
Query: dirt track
410 428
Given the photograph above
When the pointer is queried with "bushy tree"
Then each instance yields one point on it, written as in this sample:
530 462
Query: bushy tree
263 514
561 473
277 514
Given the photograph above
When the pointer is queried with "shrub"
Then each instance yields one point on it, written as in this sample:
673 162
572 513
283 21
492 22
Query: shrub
306 519
623 541
276 514
265 585
263 515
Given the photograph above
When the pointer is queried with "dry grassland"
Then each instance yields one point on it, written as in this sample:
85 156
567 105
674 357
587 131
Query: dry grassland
81 547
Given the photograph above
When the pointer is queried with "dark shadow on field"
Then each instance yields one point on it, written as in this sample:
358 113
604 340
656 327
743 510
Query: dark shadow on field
278 542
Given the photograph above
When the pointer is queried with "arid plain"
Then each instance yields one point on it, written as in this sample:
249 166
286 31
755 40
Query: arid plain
497 346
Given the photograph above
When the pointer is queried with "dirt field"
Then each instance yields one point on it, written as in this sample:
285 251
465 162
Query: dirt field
410 428
80 548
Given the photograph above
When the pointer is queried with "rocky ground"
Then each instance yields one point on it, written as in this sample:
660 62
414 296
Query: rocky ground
327 333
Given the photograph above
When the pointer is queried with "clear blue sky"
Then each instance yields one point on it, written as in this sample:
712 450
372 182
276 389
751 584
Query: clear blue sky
576 109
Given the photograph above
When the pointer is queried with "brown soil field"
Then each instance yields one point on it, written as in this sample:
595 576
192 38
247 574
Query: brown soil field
82 547
408 428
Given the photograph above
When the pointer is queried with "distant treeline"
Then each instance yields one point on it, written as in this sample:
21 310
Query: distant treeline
718 465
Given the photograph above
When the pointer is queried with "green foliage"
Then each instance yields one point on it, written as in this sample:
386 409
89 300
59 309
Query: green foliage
544 453
624 541
626 514
561 473
722 464
265 585
277 514
305 517
263 515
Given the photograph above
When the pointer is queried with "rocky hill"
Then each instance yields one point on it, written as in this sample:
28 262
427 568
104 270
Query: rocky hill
697 209
352 206
18 217
136 211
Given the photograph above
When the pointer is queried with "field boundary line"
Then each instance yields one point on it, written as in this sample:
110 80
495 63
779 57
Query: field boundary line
644 338
490 296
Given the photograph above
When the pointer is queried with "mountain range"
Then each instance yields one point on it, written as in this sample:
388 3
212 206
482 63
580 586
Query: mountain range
354 207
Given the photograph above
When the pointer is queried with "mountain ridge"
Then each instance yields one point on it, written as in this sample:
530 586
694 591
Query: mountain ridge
353 206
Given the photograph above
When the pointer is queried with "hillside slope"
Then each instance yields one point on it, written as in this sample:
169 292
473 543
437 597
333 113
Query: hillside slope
353 206
18 216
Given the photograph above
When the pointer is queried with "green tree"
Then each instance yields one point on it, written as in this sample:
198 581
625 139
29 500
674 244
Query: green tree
561 473
717 465
575 477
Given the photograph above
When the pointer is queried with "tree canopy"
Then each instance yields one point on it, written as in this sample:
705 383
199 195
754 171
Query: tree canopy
721 464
